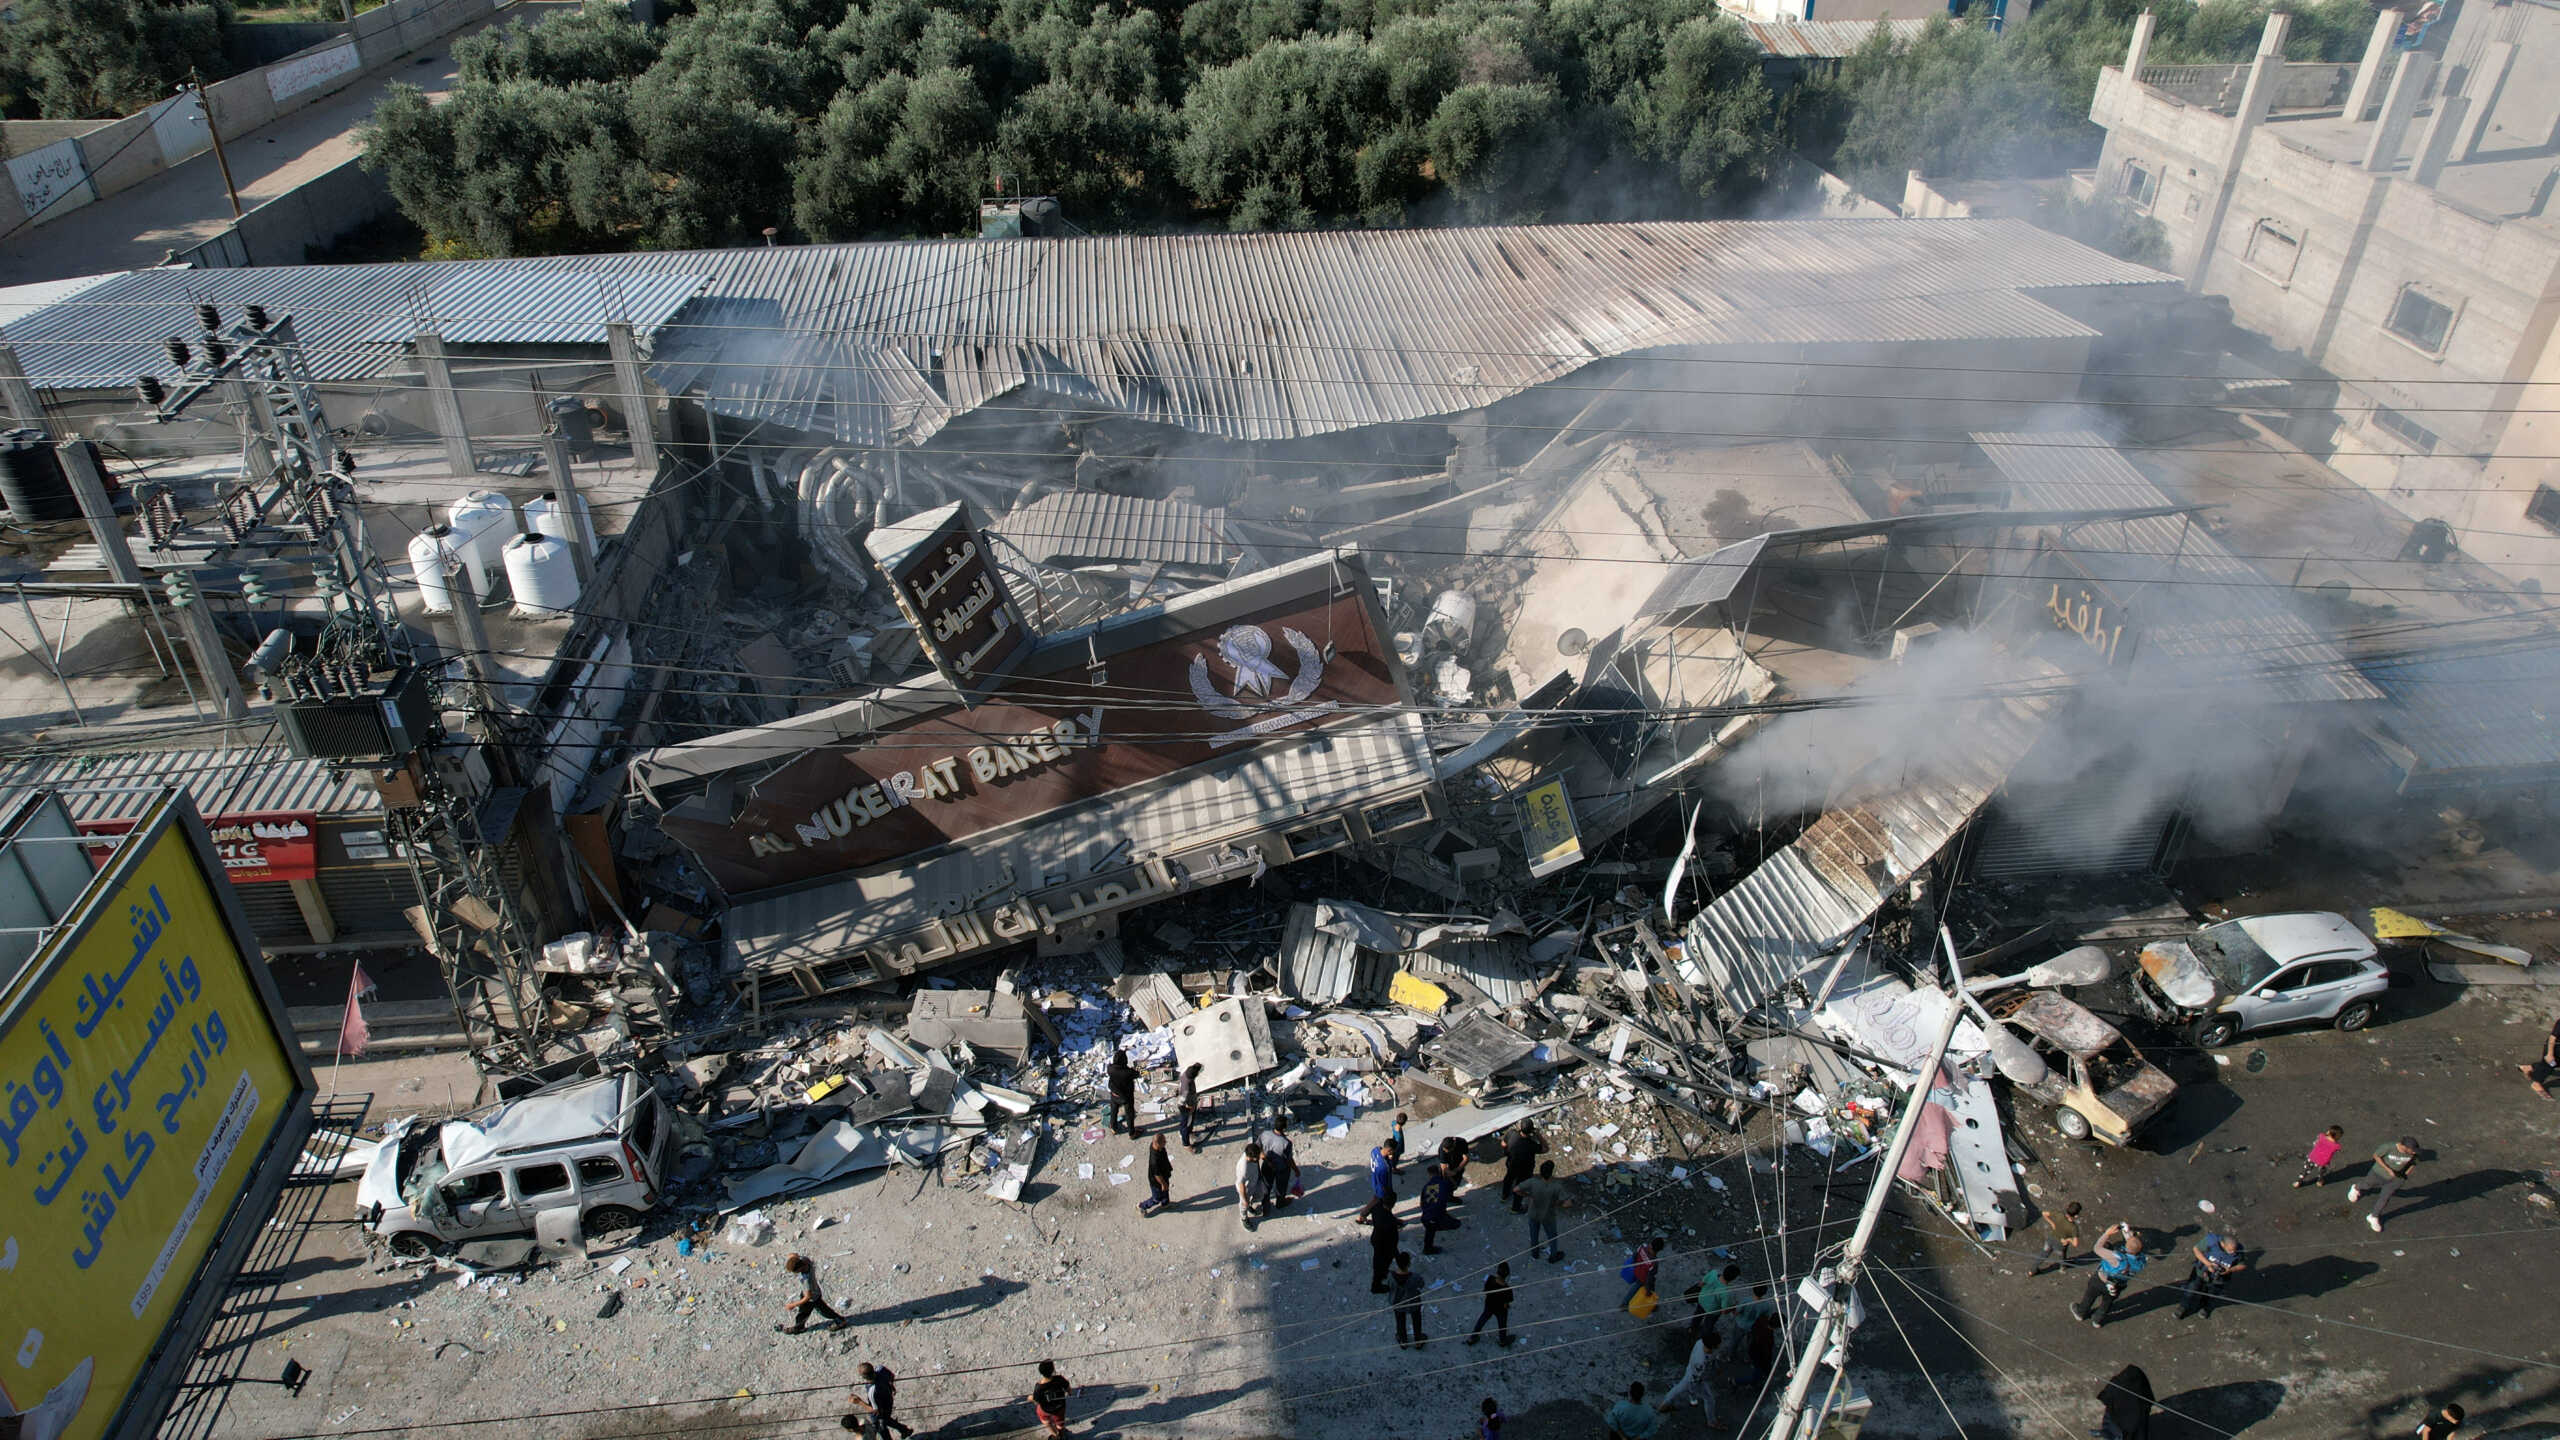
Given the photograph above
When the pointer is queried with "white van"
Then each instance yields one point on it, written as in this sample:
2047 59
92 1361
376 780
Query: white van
598 1146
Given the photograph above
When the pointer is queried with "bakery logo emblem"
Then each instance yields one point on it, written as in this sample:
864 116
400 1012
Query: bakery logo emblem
1260 697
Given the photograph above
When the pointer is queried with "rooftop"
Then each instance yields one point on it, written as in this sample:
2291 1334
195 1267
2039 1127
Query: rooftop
2497 185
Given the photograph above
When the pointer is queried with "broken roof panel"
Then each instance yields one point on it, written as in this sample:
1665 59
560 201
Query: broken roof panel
2198 603
1805 902
1318 965
1088 527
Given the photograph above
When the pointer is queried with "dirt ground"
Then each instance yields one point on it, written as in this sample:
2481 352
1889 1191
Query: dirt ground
1193 1324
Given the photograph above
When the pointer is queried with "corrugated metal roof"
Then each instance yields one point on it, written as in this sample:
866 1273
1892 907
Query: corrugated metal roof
222 782
1337 769
1826 39
19 301
1249 337
2490 717
475 305
1318 966
1086 527
1802 904
2199 605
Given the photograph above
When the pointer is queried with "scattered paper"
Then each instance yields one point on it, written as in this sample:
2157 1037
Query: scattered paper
1679 1172
1334 1129
2205 1205
1714 1183
1618 1147
1085 1171
1118 1178
1309 1264
1125 1162
620 1265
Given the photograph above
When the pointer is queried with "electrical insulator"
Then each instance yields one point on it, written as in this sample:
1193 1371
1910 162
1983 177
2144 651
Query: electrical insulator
181 588
253 587
257 317
179 352
216 353
159 510
153 393
209 318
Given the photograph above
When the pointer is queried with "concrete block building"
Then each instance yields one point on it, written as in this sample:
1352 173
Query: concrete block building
2391 222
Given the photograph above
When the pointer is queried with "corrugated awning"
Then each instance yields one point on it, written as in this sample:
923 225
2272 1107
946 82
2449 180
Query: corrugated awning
251 781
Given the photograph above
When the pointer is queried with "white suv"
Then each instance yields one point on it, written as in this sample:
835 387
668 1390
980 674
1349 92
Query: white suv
2261 971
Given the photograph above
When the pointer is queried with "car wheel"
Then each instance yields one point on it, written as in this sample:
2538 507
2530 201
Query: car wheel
604 1219
2356 1016
2215 1031
2072 1124
414 1244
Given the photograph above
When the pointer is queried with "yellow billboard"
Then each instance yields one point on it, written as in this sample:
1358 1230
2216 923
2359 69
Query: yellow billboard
142 1074
1547 829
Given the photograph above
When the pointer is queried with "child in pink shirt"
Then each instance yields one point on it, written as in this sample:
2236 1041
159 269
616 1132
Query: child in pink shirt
2315 1166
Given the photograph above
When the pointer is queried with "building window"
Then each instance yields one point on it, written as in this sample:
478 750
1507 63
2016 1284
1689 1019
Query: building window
2194 205
2140 184
2420 438
2421 319
2273 251
2544 508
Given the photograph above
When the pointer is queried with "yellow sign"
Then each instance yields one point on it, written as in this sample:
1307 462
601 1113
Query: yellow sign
1546 826
140 1078
1411 989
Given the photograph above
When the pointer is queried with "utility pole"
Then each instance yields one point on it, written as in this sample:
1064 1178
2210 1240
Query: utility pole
1835 1308
213 132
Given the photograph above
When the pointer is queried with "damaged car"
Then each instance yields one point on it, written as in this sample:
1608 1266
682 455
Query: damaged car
596 1146
2096 1082
2259 972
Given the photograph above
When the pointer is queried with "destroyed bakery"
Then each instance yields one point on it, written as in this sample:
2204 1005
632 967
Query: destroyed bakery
694 748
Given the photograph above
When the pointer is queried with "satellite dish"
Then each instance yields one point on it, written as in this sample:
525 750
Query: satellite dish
2086 965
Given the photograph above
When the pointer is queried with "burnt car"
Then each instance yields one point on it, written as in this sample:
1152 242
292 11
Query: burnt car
2096 1081
2261 971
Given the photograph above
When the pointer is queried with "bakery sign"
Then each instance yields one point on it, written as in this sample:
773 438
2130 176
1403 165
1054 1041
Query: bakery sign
1035 742
275 845
942 573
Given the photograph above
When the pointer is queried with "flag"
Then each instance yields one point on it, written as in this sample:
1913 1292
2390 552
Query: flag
353 1033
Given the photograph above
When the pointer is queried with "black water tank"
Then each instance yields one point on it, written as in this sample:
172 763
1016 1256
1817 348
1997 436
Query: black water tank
32 484
569 417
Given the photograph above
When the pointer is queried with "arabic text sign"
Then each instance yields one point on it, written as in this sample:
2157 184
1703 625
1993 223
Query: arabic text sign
139 1079
965 620
276 845
1547 829
301 73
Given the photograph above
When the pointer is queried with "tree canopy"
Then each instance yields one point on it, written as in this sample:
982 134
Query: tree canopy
846 119
95 59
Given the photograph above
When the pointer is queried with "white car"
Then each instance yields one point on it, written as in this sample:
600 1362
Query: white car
2261 971
598 1147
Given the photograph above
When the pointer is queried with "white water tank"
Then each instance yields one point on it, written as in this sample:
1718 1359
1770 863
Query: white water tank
431 551
483 522
571 520
1454 616
543 575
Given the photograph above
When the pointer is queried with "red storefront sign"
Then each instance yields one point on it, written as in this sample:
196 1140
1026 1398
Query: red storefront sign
275 845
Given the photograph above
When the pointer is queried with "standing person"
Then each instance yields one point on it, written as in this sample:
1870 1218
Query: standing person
1382 1174
1406 1300
2125 1406
1122 1079
1760 1346
877 1397
1453 1158
1641 1268
1435 1209
2120 1258
1489 1420
810 1298
2543 1071
2315 1163
2443 1424
1249 1187
2217 1260
2061 1241
1632 1419
2390 1171
1159 1178
1049 1398
1713 1295
1395 1142
1383 1226
1194 1121
1544 1197
1497 1306
1280 1164
1519 1157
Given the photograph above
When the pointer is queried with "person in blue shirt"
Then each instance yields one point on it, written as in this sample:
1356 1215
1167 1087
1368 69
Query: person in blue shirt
1395 1143
1489 1423
2120 1258
1632 1419
1435 1209
2217 1260
1382 1174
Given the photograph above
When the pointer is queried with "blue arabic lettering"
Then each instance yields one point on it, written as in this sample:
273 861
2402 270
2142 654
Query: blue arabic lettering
137 1149
97 1209
68 1156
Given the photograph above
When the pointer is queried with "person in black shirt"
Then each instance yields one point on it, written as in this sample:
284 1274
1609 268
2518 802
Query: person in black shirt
2547 1068
1159 1177
1453 1159
1520 1157
2444 1424
2125 1406
1194 1113
1406 1298
1497 1305
1383 1225
1049 1398
810 1299
878 1395
1123 1080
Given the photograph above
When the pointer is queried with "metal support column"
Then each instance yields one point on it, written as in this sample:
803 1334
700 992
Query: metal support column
212 660
89 484
565 481
429 348
639 416
18 393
